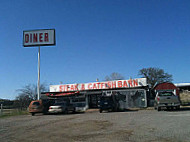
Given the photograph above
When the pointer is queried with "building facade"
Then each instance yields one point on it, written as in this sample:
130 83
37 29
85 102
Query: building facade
132 93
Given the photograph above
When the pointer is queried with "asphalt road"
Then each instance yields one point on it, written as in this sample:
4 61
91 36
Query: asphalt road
92 126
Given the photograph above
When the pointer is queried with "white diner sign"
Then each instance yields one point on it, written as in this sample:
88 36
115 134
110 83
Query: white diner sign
132 83
39 37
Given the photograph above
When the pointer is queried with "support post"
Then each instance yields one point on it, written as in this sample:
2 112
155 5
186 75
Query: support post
1 109
38 89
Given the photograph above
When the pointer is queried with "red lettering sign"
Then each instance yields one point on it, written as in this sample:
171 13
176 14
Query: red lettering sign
119 84
76 87
72 88
35 37
26 38
82 87
46 37
67 87
89 86
113 84
98 85
125 84
40 37
102 85
130 83
135 82
94 86
109 84
61 88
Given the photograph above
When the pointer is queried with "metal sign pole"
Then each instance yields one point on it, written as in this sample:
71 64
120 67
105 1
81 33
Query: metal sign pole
38 89
41 37
1 109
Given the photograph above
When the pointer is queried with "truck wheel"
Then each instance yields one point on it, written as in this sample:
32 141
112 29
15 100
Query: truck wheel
115 109
45 112
168 108
33 113
155 106
74 110
100 111
178 108
66 111
158 108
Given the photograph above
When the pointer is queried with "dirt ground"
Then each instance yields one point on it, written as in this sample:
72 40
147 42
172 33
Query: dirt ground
92 126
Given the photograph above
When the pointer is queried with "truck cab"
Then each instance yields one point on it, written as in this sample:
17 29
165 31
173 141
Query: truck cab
109 102
166 99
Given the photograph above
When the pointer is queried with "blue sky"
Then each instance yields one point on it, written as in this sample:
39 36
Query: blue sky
93 39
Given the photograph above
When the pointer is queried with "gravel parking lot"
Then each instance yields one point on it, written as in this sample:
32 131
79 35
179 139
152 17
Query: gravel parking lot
132 126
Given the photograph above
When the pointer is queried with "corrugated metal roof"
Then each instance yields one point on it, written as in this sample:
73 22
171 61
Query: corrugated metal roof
182 84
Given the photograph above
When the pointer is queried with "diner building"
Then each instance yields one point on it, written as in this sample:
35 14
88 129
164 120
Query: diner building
132 92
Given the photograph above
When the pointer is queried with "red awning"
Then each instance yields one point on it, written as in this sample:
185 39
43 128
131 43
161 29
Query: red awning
60 94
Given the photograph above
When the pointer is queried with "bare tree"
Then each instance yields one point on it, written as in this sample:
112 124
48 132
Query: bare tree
155 75
114 76
27 94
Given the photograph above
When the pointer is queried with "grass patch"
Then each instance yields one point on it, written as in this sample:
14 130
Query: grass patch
13 112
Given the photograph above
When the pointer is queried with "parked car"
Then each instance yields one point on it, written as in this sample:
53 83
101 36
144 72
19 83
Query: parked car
166 99
62 107
80 107
108 103
39 106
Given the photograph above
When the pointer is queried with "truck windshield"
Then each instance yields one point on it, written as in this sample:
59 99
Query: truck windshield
166 94
36 103
59 104
106 99
80 104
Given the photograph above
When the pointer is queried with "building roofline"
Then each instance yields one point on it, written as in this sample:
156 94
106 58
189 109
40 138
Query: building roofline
182 84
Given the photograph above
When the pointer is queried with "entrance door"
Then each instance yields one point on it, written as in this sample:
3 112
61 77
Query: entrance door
94 100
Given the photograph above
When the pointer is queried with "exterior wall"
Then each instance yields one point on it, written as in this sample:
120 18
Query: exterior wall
93 91
131 98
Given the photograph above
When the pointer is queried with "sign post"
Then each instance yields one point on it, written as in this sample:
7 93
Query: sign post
1 109
38 73
39 38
